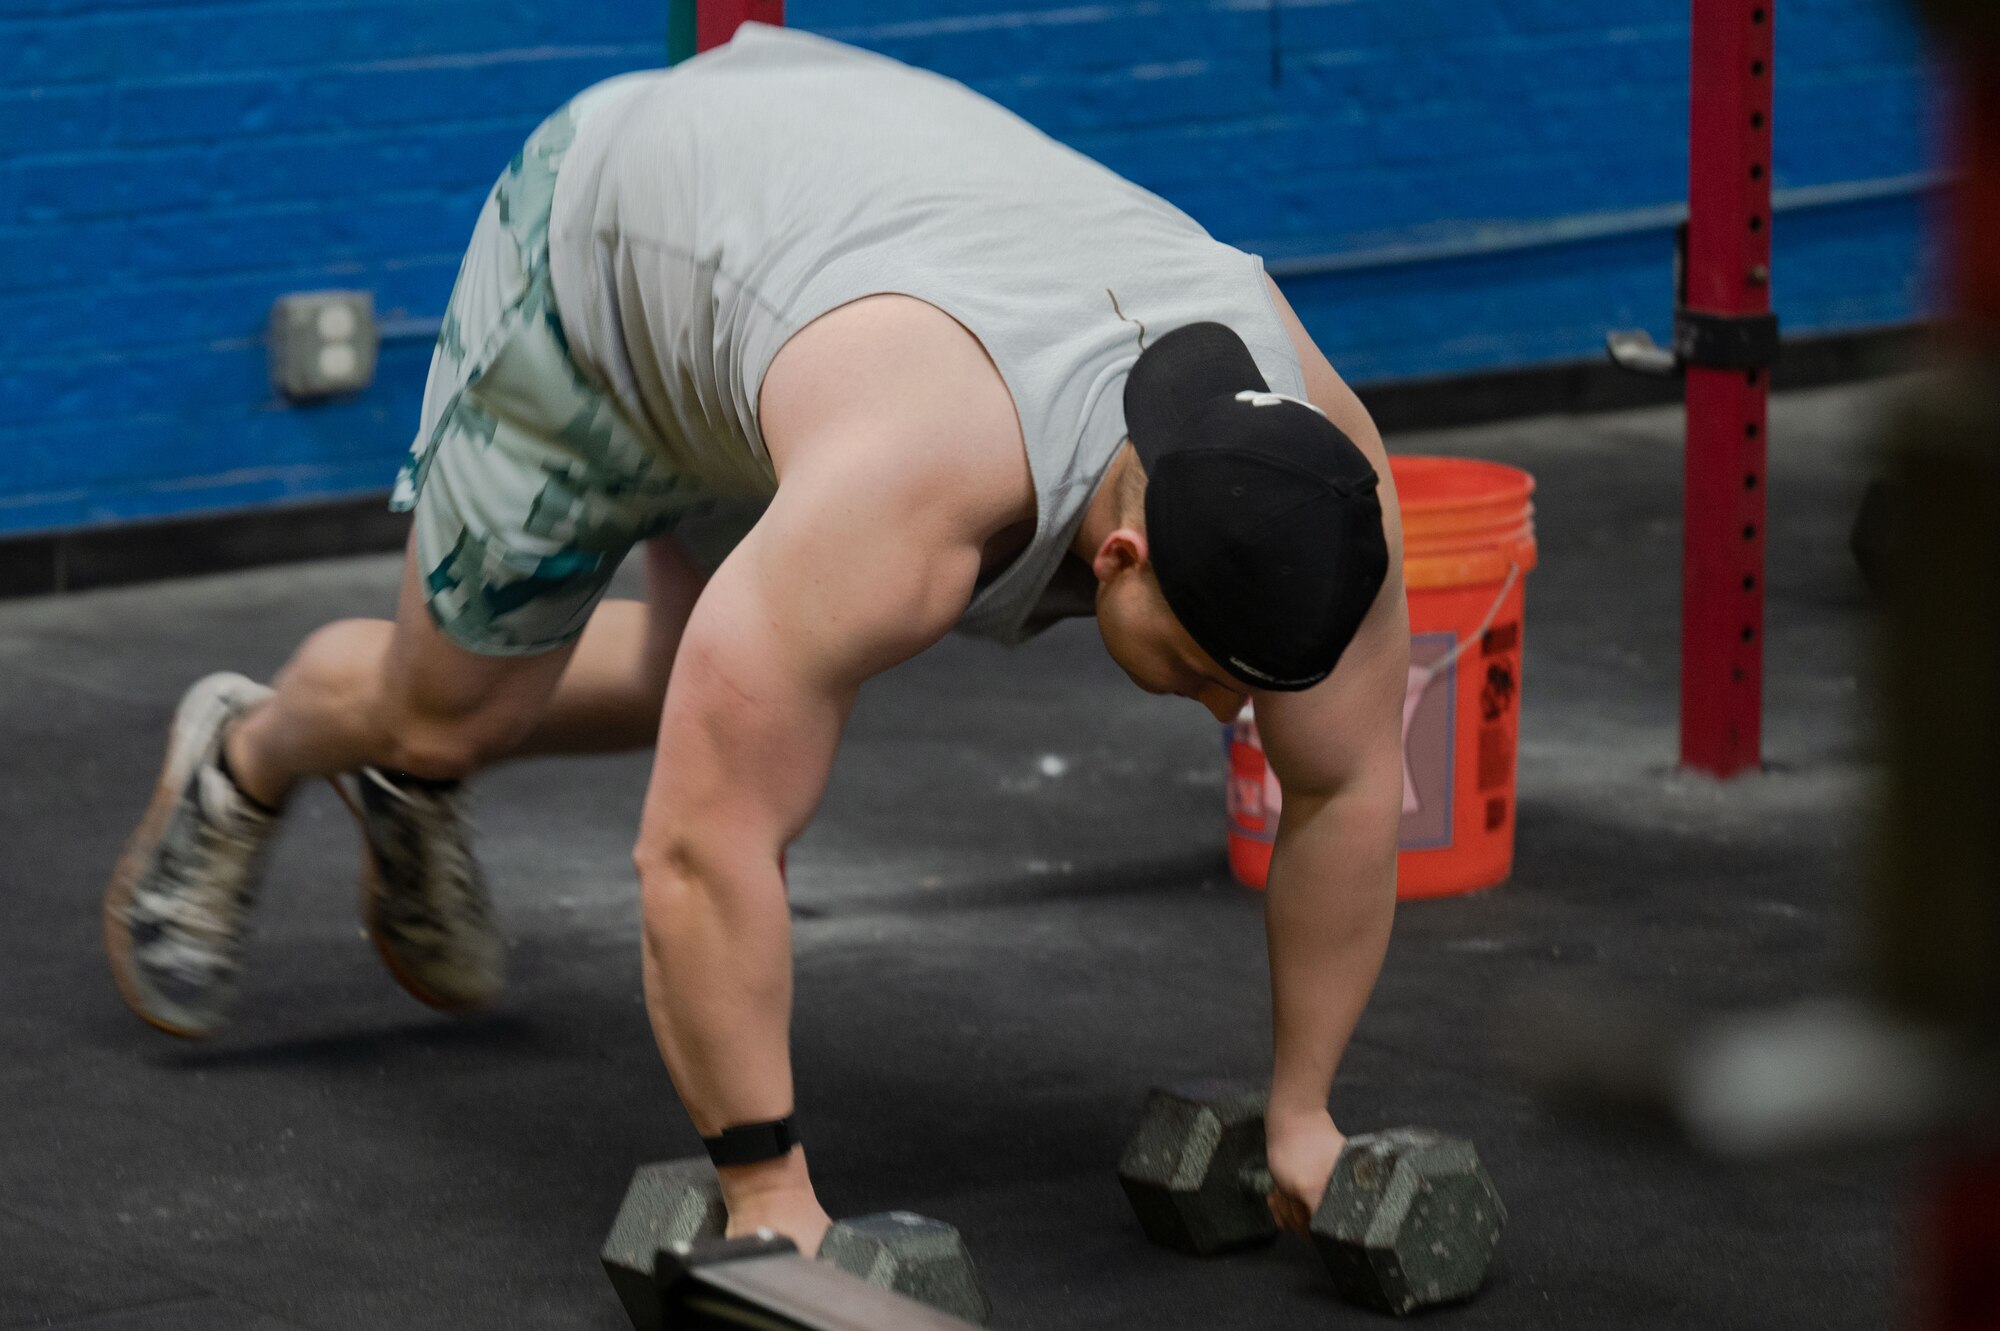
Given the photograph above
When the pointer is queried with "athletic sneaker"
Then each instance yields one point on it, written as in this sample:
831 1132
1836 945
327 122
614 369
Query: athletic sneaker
424 900
177 912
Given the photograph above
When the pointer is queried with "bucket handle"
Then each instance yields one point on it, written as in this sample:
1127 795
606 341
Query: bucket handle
1422 676
1492 613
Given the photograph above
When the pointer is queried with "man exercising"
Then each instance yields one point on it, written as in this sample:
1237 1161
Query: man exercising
967 374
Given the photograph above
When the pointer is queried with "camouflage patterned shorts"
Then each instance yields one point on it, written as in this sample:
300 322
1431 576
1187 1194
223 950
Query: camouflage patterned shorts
528 484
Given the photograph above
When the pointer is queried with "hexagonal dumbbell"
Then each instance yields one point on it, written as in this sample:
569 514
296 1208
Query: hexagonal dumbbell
681 1200
1409 1220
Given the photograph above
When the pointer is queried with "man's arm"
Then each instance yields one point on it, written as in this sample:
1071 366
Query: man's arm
1337 752
864 559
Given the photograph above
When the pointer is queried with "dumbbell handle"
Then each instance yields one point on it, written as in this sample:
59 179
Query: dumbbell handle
1255 1180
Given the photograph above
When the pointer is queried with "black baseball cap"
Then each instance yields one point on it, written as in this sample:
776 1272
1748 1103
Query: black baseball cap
1262 516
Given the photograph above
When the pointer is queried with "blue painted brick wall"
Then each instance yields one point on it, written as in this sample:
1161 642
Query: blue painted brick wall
169 167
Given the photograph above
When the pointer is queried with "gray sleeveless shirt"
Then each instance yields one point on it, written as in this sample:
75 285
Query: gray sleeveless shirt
706 213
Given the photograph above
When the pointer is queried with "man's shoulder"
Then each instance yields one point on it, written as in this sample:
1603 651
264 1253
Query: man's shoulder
904 382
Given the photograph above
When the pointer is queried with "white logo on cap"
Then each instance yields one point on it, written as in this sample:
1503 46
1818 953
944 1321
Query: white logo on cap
1244 668
1257 399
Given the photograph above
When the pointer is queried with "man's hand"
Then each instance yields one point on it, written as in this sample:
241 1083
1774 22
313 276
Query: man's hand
775 1195
1301 1151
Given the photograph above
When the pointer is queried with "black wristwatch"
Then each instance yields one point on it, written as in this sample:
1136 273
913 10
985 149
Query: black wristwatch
753 1143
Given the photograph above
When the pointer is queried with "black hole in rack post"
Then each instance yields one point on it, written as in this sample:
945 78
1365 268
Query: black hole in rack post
1756 16
1757 69
1756 224
1756 120
1749 582
1750 429
1750 480
1749 634
1756 170
1749 531
1751 378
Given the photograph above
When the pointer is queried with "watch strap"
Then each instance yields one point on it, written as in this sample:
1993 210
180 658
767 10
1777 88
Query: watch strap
753 1143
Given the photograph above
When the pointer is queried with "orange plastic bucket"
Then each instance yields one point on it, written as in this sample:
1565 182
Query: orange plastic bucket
1468 546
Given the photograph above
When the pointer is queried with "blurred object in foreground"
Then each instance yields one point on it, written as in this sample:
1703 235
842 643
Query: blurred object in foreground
1822 1075
1932 930
1933 915
1933 922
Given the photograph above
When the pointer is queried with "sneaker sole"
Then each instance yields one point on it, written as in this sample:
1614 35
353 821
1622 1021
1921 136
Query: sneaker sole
139 850
372 891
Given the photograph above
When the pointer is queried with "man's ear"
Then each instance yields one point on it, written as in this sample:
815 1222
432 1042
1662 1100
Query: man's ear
1125 548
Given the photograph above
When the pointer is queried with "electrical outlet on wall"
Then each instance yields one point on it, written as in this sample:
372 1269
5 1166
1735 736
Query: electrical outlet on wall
323 343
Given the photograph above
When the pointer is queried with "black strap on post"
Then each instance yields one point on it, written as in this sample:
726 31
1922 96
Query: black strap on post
1713 341
753 1143
1726 341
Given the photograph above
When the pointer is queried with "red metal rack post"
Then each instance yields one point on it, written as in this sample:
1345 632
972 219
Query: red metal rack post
1728 299
716 21
696 25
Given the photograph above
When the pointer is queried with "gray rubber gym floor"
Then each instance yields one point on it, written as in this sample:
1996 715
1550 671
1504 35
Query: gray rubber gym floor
1013 915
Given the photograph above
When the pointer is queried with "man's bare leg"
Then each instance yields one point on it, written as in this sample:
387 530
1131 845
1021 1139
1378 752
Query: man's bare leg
363 692
413 714
356 694
367 692
609 698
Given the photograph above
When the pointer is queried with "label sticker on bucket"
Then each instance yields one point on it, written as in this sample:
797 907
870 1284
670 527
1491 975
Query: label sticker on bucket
1498 691
1254 797
1429 713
